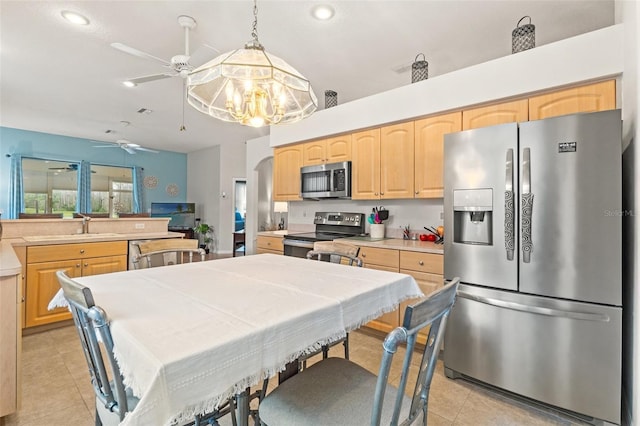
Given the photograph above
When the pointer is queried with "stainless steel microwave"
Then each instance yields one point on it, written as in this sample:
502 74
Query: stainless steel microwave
331 180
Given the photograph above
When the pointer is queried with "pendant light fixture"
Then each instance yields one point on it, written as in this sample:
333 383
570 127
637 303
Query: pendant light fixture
251 87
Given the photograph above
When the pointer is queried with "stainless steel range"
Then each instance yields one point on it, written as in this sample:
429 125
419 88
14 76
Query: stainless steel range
329 226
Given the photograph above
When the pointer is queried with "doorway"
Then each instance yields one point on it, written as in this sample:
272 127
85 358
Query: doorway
239 215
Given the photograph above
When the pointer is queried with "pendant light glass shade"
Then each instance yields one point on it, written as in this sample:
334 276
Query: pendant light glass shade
251 87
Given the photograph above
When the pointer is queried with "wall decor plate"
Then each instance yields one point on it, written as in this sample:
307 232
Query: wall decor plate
172 189
150 182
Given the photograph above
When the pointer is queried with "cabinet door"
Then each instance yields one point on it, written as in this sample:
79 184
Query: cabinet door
365 171
508 112
286 172
590 98
390 320
429 153
269 245
428 283
314 152
397 161
338 149
42 285
104 265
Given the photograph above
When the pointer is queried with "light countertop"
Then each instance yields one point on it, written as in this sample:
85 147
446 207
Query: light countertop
397 244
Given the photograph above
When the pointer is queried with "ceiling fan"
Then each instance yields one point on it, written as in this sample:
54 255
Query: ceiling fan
178 65
130 147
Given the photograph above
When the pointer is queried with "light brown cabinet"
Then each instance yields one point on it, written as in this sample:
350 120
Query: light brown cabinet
491 115
365 171
384 260
10 338
429 153
383 161
269 244
331 150
287 161
76 260
590 98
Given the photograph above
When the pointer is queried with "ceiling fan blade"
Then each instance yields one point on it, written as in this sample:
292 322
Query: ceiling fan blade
147 150
129 150
105 146
135 52
153 77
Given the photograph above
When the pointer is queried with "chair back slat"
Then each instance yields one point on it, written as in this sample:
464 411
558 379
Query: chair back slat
93 329
431 312
164 252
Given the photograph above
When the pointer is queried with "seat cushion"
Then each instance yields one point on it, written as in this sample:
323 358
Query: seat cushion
334 391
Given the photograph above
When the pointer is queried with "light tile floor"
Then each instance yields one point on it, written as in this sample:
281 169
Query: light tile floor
57 392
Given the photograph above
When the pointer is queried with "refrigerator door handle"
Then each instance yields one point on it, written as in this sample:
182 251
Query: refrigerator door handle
527 206
509 237
539 310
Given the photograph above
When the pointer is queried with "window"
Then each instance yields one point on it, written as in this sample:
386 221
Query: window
52 187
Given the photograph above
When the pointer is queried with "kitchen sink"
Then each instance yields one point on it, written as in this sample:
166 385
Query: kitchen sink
69 236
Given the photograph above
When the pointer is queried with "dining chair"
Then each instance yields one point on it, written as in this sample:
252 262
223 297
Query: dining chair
113 400
164 252
338 391
335 252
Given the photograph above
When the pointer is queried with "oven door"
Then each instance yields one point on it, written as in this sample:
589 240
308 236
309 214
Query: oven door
297 248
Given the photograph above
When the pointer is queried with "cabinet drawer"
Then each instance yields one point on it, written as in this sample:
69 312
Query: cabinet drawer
381 257
422 262
270 243
57 252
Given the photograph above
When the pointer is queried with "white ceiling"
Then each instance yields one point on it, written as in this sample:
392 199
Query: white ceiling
64 79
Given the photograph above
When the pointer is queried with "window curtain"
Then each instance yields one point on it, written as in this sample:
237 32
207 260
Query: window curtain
83 204
138 190
16 197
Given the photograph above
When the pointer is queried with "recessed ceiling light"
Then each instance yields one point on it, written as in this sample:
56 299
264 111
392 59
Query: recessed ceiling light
129 83
322 12
74 18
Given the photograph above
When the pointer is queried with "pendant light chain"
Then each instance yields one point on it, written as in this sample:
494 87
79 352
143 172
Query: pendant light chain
254 31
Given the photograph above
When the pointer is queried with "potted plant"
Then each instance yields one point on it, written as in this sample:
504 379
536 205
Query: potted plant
205 235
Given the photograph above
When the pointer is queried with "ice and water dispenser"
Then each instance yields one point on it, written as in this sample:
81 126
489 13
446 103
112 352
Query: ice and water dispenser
473 216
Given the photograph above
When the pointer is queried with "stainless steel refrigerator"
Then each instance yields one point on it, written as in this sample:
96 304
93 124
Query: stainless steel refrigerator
533 229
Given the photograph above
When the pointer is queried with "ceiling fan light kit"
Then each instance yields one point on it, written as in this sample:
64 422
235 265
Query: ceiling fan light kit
251 87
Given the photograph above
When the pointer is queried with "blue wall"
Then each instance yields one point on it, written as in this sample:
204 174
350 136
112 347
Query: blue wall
168 167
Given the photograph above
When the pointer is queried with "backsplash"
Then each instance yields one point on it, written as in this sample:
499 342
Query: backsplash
415 213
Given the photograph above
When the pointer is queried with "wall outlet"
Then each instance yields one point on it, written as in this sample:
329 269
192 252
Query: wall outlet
139 225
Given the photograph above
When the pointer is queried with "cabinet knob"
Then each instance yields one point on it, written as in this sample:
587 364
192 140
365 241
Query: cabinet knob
421 263
375 193
81 251
382 193
86 264
417 192
364 255
268 243
77 265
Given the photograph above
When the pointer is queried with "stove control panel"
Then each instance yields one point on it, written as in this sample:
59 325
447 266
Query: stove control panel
337 218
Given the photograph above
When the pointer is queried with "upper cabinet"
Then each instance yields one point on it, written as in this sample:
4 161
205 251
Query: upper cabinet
287 161
365 172
397 161
331 150
429 153
507 112
590 98
383 161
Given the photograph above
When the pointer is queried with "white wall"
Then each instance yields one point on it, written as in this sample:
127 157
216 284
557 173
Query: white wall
233 157
257 150
203 184
589 56
628 12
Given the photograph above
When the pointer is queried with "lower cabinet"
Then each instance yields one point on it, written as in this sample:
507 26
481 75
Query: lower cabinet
10 339
76 260
269 244
426 268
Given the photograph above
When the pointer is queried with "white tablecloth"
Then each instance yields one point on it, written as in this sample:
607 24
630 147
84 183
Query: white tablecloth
189 336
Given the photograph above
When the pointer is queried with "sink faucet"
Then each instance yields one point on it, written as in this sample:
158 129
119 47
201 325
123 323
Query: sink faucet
85 223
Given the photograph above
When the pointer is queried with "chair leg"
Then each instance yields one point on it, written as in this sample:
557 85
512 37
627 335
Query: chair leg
346 347
325 351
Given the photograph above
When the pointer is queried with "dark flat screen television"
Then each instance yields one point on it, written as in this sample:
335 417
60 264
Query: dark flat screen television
182 215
